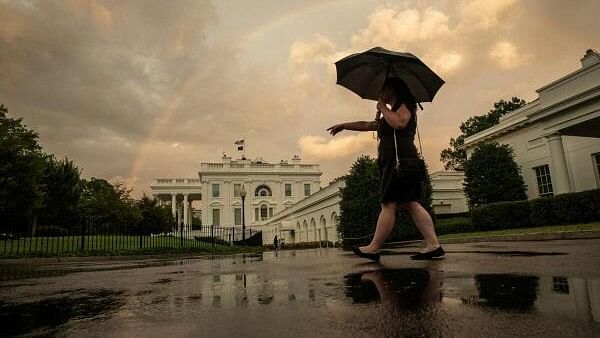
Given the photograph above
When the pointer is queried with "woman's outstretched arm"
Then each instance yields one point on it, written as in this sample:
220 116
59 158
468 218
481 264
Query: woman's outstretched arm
356 126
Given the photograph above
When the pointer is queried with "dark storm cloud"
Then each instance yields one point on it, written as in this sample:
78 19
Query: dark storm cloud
92 76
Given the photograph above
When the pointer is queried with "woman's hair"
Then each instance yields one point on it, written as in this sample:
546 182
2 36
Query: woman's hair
402 94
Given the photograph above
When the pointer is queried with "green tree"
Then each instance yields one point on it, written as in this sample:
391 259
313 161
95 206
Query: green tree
155 219
360 206
62 187
108 205
454 157
21 173
492 175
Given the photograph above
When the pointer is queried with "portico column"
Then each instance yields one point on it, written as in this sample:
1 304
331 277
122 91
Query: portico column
185 210
561 180
190 214
174 205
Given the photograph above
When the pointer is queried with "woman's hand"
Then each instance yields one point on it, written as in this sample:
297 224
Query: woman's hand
381 104
336 128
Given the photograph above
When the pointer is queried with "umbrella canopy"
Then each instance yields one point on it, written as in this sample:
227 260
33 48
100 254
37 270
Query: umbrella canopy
365 73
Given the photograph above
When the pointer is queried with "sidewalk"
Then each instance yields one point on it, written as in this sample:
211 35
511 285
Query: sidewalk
532 236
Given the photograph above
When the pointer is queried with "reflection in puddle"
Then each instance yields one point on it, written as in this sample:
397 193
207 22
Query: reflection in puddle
576 298
46 316
507 291
405 288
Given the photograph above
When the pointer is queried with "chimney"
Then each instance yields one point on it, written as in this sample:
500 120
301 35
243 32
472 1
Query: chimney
590 58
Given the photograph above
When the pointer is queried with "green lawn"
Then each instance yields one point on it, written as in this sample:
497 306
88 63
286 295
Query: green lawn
543 229
109 245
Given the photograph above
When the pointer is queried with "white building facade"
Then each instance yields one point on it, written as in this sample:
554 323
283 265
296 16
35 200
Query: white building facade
313 219
447 194
269 189
555 138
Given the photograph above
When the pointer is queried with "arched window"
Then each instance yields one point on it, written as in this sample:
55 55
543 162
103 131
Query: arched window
263 190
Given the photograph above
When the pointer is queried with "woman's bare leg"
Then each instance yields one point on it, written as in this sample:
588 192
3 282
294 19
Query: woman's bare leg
385 224
424 223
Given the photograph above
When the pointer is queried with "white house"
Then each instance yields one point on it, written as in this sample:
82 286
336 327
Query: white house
270 188
556 137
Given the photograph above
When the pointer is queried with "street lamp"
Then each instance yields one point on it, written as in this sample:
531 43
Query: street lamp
243 196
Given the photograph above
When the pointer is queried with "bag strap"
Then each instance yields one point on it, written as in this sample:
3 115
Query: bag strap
418 135
396 146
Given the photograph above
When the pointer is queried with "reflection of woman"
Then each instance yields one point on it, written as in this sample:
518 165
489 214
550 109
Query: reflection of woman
402 120
420 291
409 298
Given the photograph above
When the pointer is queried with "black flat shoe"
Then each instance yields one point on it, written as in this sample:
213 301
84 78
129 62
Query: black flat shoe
434 254
371 256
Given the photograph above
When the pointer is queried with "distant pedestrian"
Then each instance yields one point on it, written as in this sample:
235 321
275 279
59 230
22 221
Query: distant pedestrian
275 243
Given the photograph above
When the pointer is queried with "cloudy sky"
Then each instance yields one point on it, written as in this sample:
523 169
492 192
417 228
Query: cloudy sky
137 90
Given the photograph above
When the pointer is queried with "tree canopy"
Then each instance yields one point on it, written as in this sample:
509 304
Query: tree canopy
454 157
22 165
492 175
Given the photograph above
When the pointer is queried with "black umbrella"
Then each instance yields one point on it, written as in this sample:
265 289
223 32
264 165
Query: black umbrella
364 73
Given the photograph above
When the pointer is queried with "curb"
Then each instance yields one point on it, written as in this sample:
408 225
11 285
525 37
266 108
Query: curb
538 236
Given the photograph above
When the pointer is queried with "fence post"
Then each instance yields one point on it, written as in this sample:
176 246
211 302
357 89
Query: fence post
181 235
212 237
141 224
83 228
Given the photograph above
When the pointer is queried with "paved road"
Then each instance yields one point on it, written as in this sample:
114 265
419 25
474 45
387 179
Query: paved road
549 289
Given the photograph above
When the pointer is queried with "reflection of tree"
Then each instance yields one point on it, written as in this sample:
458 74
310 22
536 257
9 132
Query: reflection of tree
507 291
50 314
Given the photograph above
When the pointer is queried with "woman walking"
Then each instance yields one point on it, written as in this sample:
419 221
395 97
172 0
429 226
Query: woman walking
396 128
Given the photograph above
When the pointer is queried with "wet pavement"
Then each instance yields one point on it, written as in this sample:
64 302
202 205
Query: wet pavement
549 289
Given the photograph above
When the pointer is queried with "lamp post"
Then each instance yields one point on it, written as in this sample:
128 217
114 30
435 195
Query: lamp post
243 196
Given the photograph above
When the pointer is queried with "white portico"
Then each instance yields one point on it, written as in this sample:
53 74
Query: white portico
556 138
180 193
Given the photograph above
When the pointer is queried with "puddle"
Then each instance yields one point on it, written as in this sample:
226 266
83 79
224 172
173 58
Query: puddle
45 317
512 253
18 271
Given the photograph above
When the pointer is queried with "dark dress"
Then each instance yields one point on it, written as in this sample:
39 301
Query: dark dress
390 188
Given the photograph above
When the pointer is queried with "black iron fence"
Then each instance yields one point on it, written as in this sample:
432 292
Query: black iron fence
93 234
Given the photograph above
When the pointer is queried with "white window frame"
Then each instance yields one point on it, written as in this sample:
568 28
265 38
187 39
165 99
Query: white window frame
596 162
543 180
306 193
237 212
218 191
266 214
218 214
285 185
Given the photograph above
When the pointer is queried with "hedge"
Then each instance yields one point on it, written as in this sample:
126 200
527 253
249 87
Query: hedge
570 208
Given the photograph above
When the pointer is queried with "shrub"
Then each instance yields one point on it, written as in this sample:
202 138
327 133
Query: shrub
578 207
542 212
211 240
502 215
454 225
